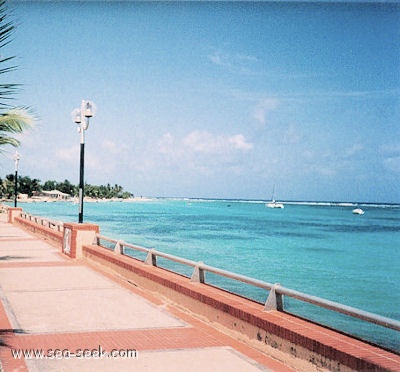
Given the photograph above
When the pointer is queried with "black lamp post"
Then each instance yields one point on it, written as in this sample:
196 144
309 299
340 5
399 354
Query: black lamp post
81 118
16 160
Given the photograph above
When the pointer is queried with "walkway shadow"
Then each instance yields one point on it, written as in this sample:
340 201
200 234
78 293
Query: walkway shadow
5 333
6 258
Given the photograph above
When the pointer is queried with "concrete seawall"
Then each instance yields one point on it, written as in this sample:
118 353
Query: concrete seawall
287 339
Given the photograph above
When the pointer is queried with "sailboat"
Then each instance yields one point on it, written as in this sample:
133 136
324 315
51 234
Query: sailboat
273 203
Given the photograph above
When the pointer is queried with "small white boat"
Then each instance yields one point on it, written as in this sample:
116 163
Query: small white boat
358 211
274 204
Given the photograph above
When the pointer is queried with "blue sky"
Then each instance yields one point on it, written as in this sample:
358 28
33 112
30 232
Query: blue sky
214 99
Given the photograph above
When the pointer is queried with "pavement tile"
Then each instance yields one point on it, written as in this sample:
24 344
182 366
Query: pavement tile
75 298
188 360
17 245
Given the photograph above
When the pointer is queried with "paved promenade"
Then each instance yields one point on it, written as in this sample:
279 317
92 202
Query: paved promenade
50 302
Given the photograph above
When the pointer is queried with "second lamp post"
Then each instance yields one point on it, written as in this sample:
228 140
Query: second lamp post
17 157
81 117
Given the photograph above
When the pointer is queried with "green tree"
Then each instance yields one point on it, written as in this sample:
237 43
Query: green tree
127 195
49 185
13 120
91 190
66 187
3 187
7 187
103 191
117 191
28 186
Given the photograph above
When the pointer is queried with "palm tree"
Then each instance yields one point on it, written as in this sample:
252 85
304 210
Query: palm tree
14 120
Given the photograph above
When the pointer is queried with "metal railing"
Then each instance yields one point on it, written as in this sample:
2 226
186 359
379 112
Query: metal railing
52 224
275 299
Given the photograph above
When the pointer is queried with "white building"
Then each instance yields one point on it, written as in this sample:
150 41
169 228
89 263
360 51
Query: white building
53 194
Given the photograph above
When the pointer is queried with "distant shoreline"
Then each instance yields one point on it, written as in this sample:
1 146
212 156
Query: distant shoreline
74 200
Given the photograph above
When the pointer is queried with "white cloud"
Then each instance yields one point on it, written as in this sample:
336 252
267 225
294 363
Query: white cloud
237 63
335 162
170 150
239 142
263 108
390 148
197 153
392 153
292 136
106 159
166 143
114 147
246 57
326 171
216 59
110 146
69 154
207 143
356 148
92 161
202 141
392 164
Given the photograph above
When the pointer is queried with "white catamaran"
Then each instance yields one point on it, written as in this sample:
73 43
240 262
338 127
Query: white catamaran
273 203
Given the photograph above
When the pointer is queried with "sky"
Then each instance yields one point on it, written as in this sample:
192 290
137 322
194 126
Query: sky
214 99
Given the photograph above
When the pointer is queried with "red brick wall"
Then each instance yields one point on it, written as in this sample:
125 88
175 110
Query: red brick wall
56 236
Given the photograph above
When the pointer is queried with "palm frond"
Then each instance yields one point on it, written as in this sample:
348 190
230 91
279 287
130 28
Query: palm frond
6 28
16 121
8 141
7 90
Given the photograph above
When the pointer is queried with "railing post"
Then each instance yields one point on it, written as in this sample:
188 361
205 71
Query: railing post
96 240
119 247
151 259
13 212
274 300
198 274
77 235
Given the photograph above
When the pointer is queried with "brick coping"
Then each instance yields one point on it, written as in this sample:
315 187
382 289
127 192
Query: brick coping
328 344
43 231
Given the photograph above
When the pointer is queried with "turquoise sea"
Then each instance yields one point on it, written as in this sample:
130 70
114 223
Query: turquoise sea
319 249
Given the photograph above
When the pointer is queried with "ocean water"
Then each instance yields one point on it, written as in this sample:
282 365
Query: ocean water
321 250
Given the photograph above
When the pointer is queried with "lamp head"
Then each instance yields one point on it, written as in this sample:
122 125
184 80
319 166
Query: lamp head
88 109
76 116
